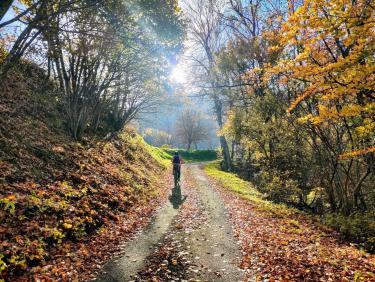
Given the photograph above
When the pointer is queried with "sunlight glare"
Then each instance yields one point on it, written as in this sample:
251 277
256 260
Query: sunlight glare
178 74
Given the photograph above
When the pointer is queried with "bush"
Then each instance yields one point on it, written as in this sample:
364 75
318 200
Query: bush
279 189
358 227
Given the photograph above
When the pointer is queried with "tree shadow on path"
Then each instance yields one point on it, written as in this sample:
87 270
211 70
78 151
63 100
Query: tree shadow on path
176 198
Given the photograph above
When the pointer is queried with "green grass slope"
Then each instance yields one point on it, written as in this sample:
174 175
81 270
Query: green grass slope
159 154
165 155
193 155
246 190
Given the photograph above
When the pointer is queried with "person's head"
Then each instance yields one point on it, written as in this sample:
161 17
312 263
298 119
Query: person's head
176 153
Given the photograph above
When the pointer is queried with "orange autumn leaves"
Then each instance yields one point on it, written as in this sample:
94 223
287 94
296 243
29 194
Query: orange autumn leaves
329 50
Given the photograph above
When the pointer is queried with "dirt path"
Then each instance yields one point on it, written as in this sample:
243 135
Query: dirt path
213 242
137 250
191 238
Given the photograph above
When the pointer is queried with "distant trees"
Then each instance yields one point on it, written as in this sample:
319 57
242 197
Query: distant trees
191 128
206 31
109 58
157 137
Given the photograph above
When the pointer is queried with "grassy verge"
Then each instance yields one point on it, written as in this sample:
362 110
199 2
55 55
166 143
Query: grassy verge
164 156
160 155
246 190
194 155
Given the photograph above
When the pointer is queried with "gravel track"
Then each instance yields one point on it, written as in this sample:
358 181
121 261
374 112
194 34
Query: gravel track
196 221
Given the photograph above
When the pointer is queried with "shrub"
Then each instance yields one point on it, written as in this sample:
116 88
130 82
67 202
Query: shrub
278 188
359 227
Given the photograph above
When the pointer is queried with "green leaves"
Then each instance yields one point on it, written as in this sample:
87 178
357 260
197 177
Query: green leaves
8 204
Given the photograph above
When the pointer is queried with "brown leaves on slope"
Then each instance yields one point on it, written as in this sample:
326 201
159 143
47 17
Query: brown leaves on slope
81 261
70 222
293 247
63 204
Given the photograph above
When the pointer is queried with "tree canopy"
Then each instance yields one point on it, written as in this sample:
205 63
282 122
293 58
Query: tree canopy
109 58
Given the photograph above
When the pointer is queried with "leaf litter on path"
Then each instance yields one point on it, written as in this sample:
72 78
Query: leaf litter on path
198 240
171 260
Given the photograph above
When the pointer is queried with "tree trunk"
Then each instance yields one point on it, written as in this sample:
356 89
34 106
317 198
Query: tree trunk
4 7
233 149
226 154
223 141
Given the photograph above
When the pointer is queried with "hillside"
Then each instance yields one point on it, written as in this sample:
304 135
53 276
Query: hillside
63 202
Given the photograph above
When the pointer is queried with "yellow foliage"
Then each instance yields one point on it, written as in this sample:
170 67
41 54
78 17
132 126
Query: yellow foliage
358 153
334 43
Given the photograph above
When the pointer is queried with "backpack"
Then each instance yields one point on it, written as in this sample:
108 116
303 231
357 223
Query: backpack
176 159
